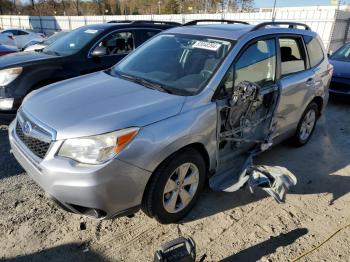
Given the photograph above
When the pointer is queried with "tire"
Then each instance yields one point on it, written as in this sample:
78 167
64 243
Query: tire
158 203
305 129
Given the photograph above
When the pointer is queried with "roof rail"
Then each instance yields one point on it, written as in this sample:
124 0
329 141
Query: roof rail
119 21
143 22
154 22
195 22
290 24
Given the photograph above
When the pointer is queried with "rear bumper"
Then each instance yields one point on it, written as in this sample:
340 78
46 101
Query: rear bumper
102 191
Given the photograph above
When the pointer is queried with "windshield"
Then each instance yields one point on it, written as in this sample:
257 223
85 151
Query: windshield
54 38
181 64
342 54
72 42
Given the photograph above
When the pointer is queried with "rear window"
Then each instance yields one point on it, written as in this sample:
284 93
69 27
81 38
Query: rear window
314 49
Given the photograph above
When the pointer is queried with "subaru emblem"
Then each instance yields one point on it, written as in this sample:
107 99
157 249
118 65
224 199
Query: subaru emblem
27 128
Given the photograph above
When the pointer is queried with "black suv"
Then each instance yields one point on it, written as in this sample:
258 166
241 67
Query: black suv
84 50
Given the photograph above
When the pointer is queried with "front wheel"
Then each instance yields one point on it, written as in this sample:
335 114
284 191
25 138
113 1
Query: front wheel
306 125
175 186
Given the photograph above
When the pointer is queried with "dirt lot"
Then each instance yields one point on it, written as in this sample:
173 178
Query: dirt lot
226 226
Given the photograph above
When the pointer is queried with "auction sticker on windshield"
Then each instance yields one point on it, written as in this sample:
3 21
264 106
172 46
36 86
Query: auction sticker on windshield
207 45
91 31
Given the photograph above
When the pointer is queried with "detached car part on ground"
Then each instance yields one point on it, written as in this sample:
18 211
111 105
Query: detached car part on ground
84 50
194 103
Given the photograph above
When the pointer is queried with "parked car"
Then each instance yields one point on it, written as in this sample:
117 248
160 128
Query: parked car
186 106
87 49
7 39
7 49
340 84
23 36
40 45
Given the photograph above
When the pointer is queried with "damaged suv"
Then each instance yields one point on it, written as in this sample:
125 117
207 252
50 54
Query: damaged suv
194 103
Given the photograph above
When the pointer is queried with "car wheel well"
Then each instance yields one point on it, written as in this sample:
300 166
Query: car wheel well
319 102
196 146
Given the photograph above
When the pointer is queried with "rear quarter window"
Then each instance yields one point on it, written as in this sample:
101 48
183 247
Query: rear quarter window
314 49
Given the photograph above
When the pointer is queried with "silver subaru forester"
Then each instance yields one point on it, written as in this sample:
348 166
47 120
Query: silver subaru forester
188 106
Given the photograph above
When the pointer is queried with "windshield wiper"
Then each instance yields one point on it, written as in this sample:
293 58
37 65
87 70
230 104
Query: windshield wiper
146 83
51 52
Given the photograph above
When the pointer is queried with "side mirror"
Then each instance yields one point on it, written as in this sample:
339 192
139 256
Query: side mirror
99 51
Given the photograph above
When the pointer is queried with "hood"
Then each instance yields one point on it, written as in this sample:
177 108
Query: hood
99 103
23 57
340 68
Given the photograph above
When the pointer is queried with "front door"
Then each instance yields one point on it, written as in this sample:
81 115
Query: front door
246 100
112 48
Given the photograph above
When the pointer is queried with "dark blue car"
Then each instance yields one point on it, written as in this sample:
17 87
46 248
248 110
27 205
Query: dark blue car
341 76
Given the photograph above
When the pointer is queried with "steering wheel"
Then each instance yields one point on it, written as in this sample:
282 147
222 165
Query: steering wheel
206 73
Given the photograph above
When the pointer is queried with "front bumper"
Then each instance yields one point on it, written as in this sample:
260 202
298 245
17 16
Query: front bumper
109 190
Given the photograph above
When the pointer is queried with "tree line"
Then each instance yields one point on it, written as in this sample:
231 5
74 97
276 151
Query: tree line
120 7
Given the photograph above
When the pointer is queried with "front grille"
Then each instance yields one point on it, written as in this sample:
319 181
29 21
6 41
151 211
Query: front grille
38 147
340 86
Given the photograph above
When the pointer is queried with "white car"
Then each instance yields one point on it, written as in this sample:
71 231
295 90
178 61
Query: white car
23 36
39 45
7 39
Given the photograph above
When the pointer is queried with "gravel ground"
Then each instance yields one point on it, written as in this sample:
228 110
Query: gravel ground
226 226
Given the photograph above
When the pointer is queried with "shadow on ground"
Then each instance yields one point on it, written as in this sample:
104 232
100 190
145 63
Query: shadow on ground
255 253
8 164
70 252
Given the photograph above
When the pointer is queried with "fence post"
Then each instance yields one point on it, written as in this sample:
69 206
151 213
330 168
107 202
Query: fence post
69 23
85 20
11 21
346 31
55 24
41 25
2 22
19 22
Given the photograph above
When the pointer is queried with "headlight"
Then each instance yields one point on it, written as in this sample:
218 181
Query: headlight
8 75
6 103
97 149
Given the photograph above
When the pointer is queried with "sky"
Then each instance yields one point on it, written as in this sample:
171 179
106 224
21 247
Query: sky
269 3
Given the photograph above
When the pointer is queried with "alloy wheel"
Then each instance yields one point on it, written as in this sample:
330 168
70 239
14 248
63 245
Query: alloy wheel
307 125
181 187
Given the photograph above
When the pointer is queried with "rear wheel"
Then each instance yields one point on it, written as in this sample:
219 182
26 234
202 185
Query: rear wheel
175 186
306 125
